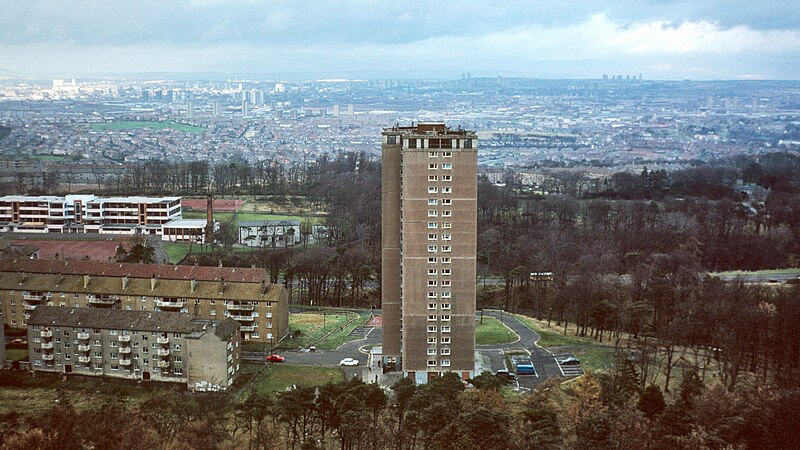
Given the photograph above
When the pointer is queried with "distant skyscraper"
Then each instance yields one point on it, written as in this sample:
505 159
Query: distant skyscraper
245 108
189 109
279 88
215 108
335 110
350 110
429 238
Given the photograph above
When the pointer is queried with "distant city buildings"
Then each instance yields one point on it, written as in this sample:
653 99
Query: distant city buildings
429 245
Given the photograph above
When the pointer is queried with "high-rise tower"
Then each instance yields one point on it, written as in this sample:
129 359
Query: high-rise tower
429 242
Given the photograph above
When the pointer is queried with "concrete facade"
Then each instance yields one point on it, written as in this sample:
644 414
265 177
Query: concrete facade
429 238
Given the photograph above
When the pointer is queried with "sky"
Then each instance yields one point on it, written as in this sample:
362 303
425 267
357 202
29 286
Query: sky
667 39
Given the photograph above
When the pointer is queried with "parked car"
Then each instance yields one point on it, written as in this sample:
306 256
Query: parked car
275 358
348 362
506 375
569 361
312 348
526 369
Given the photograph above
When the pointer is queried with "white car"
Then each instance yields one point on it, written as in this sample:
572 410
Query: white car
348 362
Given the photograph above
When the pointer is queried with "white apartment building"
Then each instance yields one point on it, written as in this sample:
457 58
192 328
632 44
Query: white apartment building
88 214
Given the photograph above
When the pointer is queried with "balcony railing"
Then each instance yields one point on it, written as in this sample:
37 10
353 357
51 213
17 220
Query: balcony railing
163 364
102 300
240 307
47 345
28 306
35 298
83 336
124 338
241 318
163 352
47 357
124 350
162 340
84 359
124 362
170 304
83 348
247 328
46 334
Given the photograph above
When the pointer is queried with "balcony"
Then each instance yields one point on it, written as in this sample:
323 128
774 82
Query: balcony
28 306
84 359
46 334
170 304
240 307
47 345
47 357
241 318
124 338
109 300
163 364
124 362
83 348
31 297
162 340
247 328
163 352
82 336
124 350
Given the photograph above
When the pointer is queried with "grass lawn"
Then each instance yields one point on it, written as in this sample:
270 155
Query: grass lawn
279 377
130 124
16 354
595 358
177 250
553 336
312 326
340 337
492 331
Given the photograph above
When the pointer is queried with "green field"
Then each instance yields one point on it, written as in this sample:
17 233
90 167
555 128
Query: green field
177 250
130 124
492 331
312 326
16 354
280 377
552 336
226 216
733 273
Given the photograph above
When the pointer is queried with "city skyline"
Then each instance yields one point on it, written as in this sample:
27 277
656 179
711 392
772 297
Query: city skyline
291 40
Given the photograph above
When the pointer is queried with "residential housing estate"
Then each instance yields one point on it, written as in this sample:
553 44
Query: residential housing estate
141 345
208 293
429 243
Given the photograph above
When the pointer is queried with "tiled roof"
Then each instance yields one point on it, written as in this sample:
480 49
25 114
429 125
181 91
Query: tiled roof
115 319
166 272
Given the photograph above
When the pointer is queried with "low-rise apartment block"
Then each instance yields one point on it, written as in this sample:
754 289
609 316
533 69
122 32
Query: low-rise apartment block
208 293
140 345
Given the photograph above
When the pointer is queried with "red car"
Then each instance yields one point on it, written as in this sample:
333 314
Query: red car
275 358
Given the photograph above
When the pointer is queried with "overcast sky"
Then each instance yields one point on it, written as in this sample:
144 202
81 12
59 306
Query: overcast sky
662 39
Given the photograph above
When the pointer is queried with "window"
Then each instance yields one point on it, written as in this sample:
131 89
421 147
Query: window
446 272
446 237
431 340
446 318
433 166
446 260
432 283
447 178
431 260
432 329
432 202
445 363
446 329
112 344
446 306
445 248
391 139
433 189
431 305
445 294
431 294
447 166
145 350
432 225
445 351
431 352
412 143
447 201
177 347
114 367
467 143
112 355
447 213
431 363
447 225
98 366
432 154
447 190
447 154
431 237
66 333
431 272
431 317
113 332
446 282
432 213
177 359
431 248
178 371
98 355
445 340
430 178
213 312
